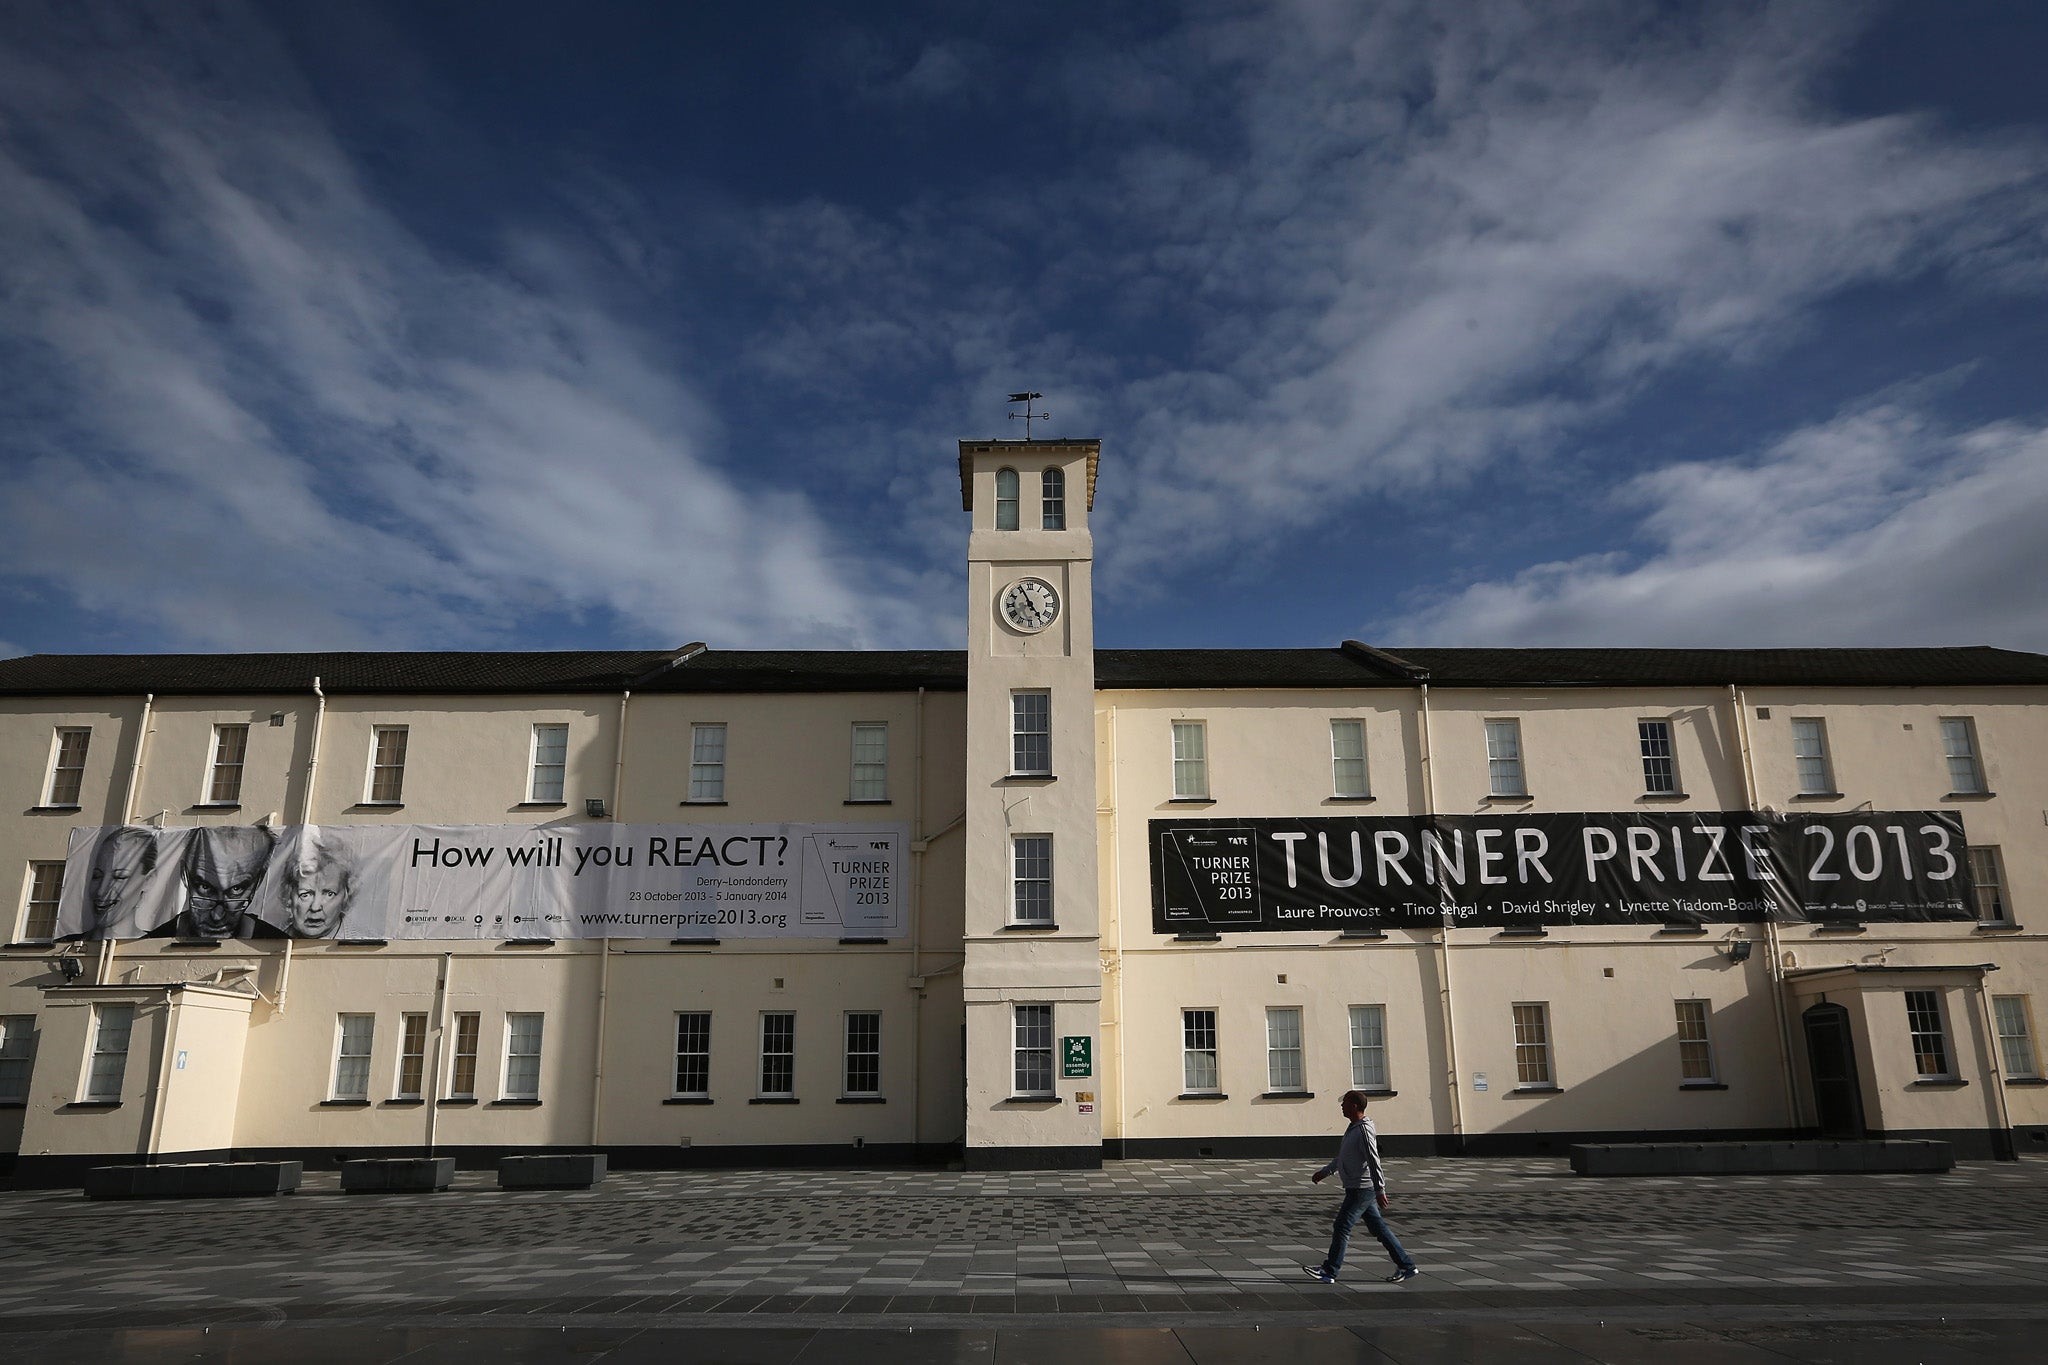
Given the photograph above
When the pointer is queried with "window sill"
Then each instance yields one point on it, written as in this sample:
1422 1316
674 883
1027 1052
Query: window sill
1702 1085
775 1099
1197 936
378 805
1288 1095
1507 796
687 802
542 805
1202 1095
1535 1090
1816 796
1681 928
515 1104
528 943
1841 927
687 1099
43 944
861 1099
1363 934
361 942
1349 800
867 801
1029 928
344 1104
2023 1081
13 1104
1031 1099
50 810
1378 1094
1027 779
1665 796
2001 927
1521 931
1969 796
457 1101
1191 801
1938 1083
196 942
216 805
693 943
859 942
88 1104
404 1102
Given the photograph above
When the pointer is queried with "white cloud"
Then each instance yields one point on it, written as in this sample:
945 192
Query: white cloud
1876 528
268 416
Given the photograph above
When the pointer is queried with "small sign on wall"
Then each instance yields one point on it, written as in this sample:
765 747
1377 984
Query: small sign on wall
181 1059
1084 1101
1479 1080
1076 1057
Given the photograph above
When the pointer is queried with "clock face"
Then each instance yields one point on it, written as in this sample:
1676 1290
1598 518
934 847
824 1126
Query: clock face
1030 604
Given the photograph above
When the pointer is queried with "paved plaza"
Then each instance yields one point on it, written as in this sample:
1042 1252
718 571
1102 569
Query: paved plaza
1165 1260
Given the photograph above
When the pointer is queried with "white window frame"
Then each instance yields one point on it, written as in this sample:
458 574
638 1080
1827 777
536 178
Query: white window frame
1927 1022
1657 744
1030 869
514 1086
693 1047
64 788
1813 766
1535 1062
1695 1033
2013 1017
1201 1060
1052 500
17 1056
869 1054
1506 773
1965 759
1994 906
547 763
42 896
784 1052
1030 733
1286 1059
224 774
707 762
381 766
1350 774
465 1049
1190 760
409 1082
1027 1051
1369 1070
355 1038
1007 518
868 778
106 1062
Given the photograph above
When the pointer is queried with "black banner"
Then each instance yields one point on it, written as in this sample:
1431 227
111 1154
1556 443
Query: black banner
1500 871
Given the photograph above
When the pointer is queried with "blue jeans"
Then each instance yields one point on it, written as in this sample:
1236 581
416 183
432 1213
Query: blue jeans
1361 1204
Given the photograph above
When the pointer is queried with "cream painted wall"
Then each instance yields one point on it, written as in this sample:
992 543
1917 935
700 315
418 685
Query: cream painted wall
198 1101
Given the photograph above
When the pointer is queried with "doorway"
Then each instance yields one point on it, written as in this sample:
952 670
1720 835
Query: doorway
1831 1054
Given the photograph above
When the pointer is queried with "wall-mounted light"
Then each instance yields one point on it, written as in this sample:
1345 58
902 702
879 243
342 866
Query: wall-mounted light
1739 950
71 967
593 806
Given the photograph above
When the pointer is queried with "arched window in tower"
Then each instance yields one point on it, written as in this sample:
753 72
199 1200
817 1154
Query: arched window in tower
1052 498
1006 499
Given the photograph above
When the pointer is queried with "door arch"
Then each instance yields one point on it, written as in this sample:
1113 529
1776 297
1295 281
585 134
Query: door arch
1831 1060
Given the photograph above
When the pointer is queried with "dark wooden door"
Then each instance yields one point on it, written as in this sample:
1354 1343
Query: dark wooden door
1831 1053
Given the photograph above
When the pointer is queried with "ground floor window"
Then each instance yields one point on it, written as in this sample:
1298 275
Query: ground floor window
522 1056
1532 1045
1284 1072
1695 1047
17 1056
693 1053
1032 1050
863 1052
778 1055
412 1056
1369 1047
462 1063
353 1036
1929 1034
111 1027
1198 1069
2016 1037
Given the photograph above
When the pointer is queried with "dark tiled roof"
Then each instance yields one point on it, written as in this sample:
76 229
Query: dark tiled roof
816 670
1974 664
1171 668
425 671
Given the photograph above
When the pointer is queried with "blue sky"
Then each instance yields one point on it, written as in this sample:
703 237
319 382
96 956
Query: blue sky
604 325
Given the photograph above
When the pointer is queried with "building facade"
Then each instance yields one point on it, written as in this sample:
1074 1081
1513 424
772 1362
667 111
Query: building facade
1041 902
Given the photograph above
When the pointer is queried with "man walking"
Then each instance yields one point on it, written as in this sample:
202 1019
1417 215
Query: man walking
1365 1195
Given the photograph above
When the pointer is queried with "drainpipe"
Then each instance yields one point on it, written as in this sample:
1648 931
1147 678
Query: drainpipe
914 919
2001 1143
1775 968
1116 1111
103 969
619 760
604 945
153 1135
1443 940
430 1084
313 752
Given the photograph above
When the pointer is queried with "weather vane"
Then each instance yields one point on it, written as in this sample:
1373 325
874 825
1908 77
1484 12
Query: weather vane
1028 415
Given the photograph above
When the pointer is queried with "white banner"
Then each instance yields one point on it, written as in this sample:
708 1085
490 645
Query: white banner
484 881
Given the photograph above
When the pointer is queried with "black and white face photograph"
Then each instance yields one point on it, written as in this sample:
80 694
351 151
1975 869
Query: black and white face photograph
223 868
318 887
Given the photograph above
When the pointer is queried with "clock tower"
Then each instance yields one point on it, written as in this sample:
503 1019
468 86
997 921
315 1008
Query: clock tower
1032 979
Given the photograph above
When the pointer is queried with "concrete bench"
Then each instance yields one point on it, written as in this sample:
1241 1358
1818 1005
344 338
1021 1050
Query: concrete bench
196 1180
574 1171
395 1174
1899 1157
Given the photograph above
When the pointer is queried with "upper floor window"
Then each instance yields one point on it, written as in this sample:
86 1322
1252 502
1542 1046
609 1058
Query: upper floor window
387 765
707 762
522 1056
1347 758
1006 499
1810 754
1504 775
111 1025
1052 499
1660 765
1190 759
67 765
1929 1032
1987 871
550 763
230 747
17 1056
1959 743
1031 733
1031 879
870 761
45 888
